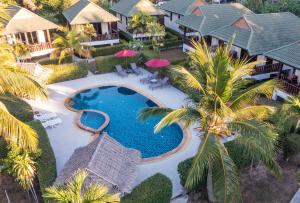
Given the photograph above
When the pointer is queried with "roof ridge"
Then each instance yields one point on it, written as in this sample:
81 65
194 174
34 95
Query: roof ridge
80 10
101 139
284 46
251 32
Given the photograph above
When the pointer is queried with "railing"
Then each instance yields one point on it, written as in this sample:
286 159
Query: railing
40 47
105 37
292 89
267 68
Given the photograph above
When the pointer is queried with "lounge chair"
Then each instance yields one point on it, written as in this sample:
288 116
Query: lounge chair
120 71
45 117
149 78
160 83
52 123
136 70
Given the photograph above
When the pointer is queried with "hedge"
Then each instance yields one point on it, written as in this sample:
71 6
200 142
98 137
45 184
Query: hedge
17 107
108 50
156 189
184 169
67 59
173 32
65 72
291 144
46 163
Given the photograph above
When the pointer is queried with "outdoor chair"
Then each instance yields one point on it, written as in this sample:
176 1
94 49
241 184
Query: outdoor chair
136 70
149 78
160 84
120 71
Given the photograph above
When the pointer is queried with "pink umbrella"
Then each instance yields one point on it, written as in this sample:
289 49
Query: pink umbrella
126 53
157 63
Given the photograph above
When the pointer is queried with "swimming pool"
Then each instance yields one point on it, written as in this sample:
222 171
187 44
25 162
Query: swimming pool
123 105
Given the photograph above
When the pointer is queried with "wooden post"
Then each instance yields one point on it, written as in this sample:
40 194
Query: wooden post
32 39
26 38
48 36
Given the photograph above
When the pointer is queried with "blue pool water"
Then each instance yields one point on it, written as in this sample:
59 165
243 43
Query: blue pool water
123 106
92 119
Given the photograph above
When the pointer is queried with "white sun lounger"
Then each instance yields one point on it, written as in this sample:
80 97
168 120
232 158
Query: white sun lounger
149 78
52 123
136 70
120 71
45 117
159 84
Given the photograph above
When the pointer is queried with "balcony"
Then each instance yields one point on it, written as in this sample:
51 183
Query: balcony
105 37
290 88
39 47
268 68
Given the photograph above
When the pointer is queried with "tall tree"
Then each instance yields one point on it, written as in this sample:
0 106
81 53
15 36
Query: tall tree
19 83
222 104
74 191
139 21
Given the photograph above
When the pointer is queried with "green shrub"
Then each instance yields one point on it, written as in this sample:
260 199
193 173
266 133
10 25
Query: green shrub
184 169
156 189
124 35
68 59
171 43
46 163
17 107
173 32
65 72
291 144
109 50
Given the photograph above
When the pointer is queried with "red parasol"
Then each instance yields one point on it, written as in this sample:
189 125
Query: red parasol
157 63
126 53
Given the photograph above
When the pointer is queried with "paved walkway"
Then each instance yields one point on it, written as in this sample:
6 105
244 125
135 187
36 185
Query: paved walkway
67 137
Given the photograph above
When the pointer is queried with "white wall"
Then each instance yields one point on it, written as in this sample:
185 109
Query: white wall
41 36
238 50
172 23
104 28
214 41
261 58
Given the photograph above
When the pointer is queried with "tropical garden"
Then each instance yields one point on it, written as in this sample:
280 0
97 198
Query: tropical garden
221 103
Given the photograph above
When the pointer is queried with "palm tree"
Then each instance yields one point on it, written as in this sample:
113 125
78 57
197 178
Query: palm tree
223 104
89 31
157 33
73 191
68 43
139 22
18 83
22 167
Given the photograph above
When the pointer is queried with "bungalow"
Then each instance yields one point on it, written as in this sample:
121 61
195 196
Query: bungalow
207 18
175 9
264 37
288 56
125 9
86 12
27 27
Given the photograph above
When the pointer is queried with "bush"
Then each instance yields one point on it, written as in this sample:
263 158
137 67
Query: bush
68 59
46 163
173 32
184 169
109 50
156 189
124 36
171 43
65 72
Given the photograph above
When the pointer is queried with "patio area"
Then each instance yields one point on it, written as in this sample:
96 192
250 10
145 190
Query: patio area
67 137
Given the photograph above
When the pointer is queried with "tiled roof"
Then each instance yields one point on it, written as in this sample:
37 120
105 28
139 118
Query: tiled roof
289 54
130 7
23 20
84 12
266 32
182 7
213 17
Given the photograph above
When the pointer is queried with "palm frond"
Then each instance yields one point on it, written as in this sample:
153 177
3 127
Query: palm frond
98 193
16 132
259 112
153 111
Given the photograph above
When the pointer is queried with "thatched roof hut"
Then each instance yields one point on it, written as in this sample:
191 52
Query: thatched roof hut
108 163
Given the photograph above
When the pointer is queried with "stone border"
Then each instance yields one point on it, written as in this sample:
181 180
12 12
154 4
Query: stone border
92 130
186 132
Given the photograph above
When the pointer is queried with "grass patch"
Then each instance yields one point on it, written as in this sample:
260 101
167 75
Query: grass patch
108 50
67 59
156 189
65 72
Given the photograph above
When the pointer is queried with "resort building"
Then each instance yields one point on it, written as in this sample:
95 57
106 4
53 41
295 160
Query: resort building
207 18
24 26
268 38
125 9
86 12
176 9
